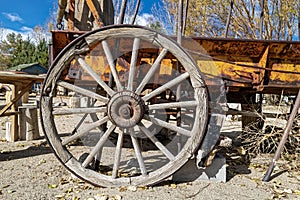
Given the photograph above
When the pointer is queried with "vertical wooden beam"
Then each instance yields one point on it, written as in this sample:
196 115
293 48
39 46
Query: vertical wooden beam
94 12
71 17
14 118
179 21
62 4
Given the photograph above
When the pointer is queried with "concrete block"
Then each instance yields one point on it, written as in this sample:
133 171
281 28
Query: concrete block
74 102
216 172
84 102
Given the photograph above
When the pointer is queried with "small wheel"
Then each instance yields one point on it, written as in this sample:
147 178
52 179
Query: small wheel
111 68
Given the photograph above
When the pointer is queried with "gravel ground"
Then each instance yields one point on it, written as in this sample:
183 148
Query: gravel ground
29 170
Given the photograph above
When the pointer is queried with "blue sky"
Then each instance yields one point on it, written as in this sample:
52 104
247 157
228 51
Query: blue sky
24 15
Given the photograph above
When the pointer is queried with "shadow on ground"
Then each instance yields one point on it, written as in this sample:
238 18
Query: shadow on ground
25 153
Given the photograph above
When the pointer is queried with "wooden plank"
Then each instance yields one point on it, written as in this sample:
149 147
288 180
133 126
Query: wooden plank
89 69
157 143
13 78
134 57
50 130
94 13
151 72
10 113
166 86
168 125
28 125
118 155
82 91
138 154
98 146
72 111
112 64
16 98
183 104
85 130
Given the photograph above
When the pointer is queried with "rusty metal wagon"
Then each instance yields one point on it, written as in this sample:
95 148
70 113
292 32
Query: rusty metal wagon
145 105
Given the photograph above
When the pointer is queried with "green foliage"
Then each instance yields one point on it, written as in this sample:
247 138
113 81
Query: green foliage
16 51
156 26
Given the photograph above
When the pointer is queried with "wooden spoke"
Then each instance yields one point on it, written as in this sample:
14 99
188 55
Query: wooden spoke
86 67
134 56
117 155
138 154
83 118
166 86
151 72
183 104
157 143
137 119
82 91
85 130
112 64
72 111
168 125
99 154
98 146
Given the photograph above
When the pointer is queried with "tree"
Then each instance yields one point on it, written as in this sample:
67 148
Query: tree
41 53
18 51
39 34
208 18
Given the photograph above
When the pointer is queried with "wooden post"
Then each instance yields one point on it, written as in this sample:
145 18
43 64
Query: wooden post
29 129
14 118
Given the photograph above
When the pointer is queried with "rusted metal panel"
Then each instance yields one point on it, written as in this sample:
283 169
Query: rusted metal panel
256 65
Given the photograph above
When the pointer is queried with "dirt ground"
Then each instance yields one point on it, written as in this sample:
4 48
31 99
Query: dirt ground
29 170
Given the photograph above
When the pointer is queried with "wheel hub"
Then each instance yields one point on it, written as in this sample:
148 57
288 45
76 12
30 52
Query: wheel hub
126 109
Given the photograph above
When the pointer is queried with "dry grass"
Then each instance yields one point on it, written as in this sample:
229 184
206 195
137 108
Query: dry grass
258 141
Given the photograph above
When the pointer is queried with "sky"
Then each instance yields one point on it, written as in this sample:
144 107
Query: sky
22 16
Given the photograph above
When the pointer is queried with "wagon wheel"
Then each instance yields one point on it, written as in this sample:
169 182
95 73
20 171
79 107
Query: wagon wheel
123 107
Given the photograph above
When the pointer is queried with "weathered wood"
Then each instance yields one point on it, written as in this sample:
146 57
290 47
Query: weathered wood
14 107
183 104
49 129
159 145
22 124
118 155
98 146
151 72
85 130
166 86
82 91
16 97
112 65
133 62
138 154
10 113
169 162
28 126
96 77
72 111
168 126
21 83
13 78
